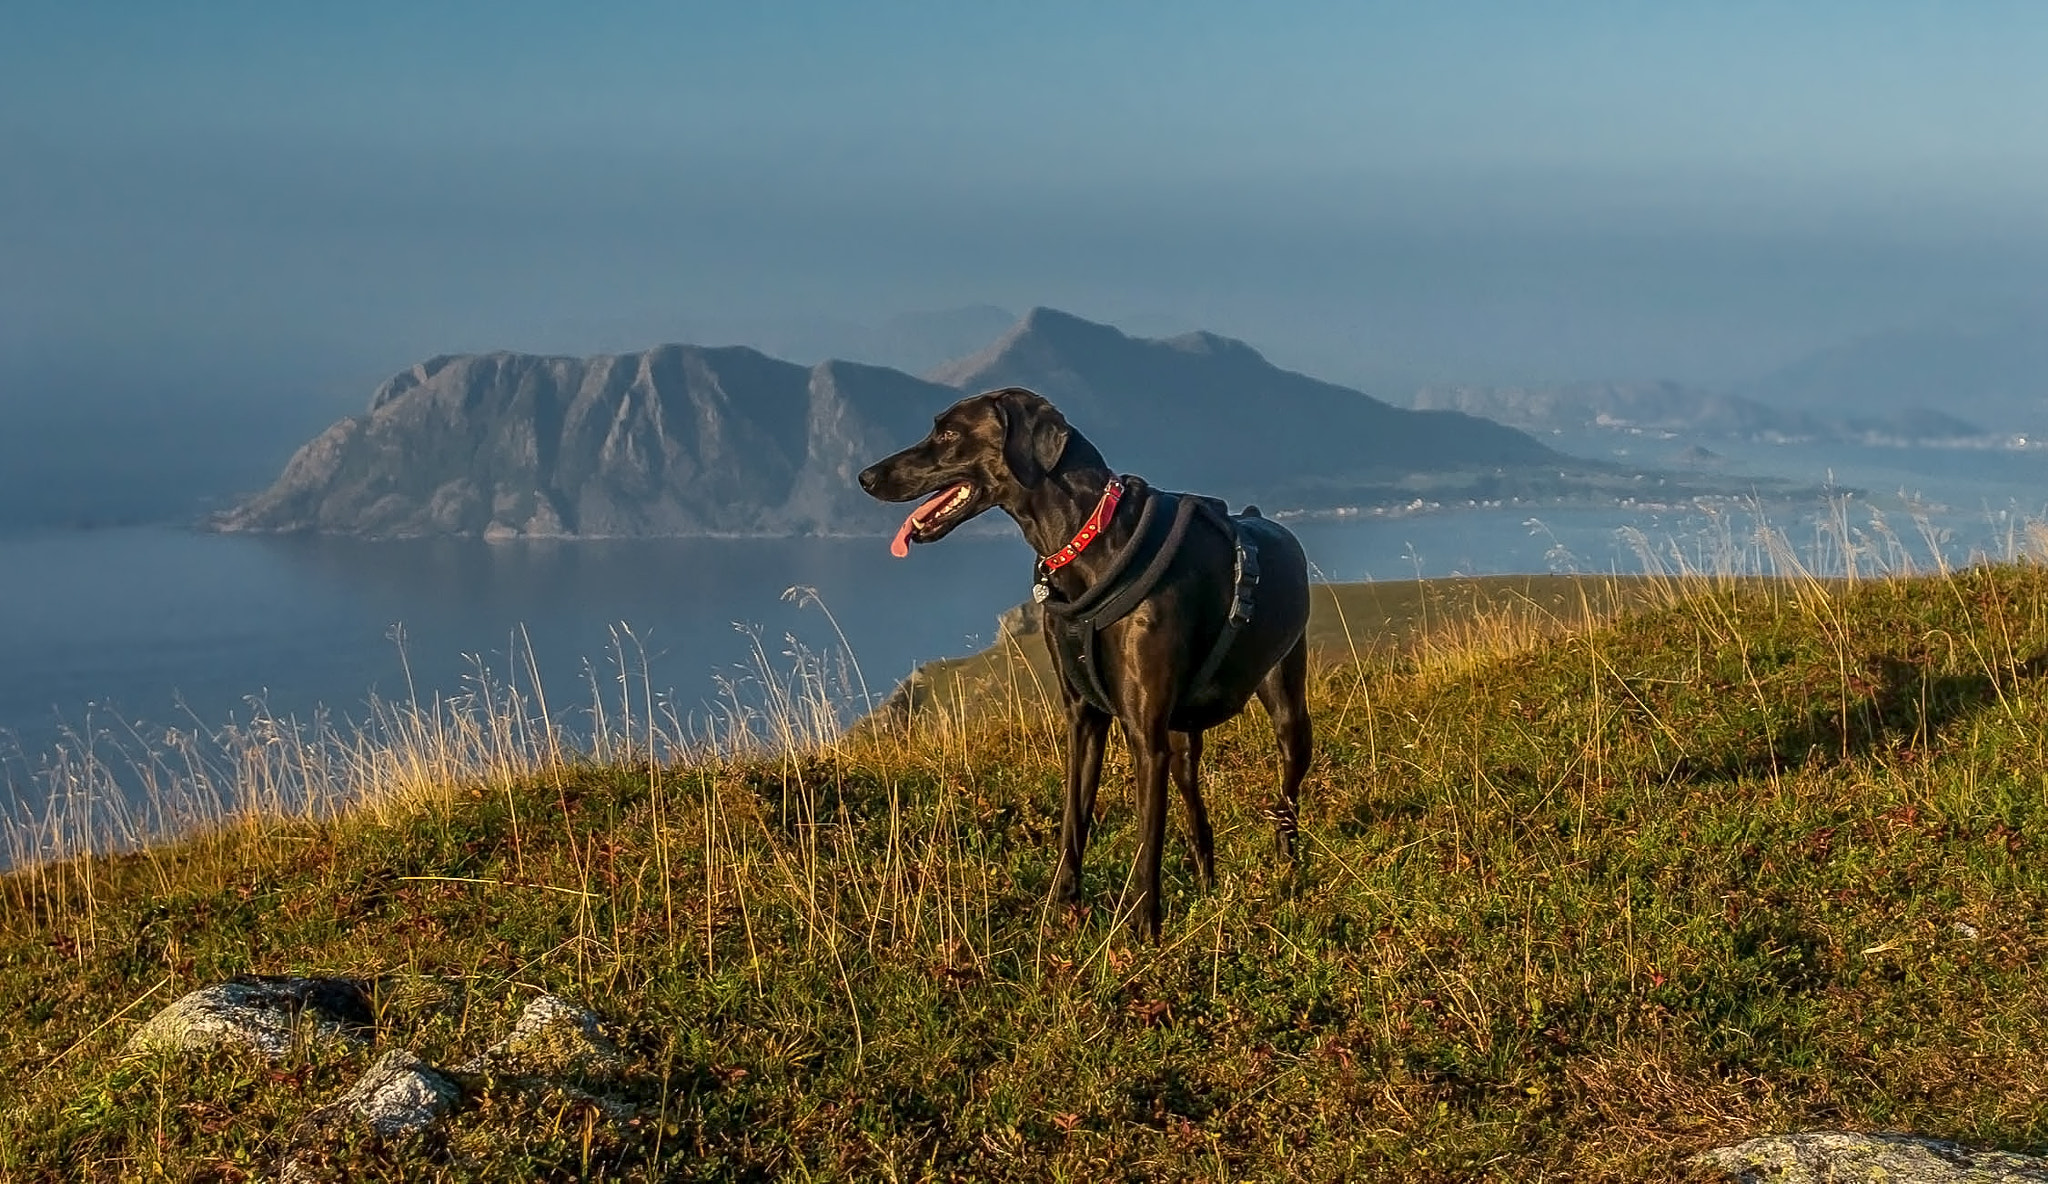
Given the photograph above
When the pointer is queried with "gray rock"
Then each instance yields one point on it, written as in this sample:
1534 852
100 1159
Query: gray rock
1021 620
1832 1158
268 1015
398 1095
552 1038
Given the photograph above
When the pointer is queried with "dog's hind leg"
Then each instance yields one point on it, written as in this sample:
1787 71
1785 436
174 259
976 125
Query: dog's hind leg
1284 692
1187 771
1087 734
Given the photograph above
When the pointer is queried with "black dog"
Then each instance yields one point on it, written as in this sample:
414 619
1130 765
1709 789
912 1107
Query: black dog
1162 610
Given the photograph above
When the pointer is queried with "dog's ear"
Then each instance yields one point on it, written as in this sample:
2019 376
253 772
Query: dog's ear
1034 434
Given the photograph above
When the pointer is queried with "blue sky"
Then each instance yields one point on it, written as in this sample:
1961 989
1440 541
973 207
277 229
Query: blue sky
1484 190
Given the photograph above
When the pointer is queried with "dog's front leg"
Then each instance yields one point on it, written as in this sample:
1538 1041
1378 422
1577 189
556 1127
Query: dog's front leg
1087 733
1154 755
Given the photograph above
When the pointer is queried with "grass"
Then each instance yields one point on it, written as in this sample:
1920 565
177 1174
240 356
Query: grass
1598 874
1356 623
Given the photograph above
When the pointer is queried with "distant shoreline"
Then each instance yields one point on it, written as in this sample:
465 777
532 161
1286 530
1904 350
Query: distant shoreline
1769 491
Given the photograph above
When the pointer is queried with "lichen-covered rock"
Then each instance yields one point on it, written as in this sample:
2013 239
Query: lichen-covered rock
266 1014
1831 1158
398 1095
552 1038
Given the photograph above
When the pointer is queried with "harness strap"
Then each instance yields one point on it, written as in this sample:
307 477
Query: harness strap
1146 537
1122 600
1074 625
1243 597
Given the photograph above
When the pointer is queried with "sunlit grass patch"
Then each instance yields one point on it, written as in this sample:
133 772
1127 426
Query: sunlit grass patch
1597 873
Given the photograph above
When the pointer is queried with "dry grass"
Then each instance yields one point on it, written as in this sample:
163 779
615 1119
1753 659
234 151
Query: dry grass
1598 873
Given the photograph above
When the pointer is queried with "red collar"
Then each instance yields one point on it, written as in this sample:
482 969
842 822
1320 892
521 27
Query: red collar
1104 511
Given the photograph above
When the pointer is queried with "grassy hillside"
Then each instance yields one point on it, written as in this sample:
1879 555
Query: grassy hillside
1580 897
1362 624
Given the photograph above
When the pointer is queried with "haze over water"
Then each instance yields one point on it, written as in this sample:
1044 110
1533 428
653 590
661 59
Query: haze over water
221 226
224 224
161 626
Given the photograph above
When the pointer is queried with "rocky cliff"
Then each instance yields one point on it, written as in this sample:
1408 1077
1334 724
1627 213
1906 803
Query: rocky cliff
1209 412
688 440
679 440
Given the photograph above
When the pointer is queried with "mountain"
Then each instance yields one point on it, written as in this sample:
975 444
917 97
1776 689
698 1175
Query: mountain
1200 411
1673 410
1998 374
691 440
680 440
1664 407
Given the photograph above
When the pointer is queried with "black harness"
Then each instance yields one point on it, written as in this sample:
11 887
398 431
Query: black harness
1073 625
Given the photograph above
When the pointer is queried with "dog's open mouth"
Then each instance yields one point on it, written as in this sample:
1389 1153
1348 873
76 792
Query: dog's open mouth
937 511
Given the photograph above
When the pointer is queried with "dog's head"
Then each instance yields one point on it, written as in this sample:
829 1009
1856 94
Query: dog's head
983 451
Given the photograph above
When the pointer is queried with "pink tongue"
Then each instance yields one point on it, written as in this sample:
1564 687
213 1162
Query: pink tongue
900 545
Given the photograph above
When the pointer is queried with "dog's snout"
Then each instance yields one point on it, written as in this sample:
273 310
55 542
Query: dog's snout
869 476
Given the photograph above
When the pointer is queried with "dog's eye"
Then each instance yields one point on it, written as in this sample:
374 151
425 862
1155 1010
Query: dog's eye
945 435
